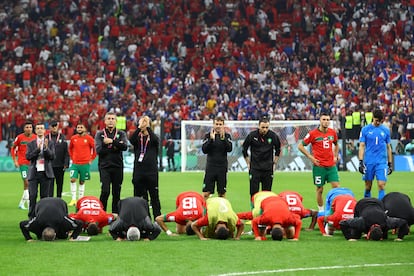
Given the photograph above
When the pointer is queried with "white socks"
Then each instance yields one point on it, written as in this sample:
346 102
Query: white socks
25 199
81 190
22 200
26 195
73 187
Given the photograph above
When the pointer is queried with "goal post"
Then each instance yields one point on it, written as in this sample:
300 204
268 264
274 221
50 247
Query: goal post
289 132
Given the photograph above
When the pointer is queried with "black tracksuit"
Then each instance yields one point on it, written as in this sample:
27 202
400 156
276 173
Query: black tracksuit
399 205
51 212
111 165
60 162
263 149
217 163
370 211
133 211
170 147
145 174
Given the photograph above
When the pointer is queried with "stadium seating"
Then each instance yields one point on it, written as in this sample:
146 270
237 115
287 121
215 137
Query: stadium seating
83 59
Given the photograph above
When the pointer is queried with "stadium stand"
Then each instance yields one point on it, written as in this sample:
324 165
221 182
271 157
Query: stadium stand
72 60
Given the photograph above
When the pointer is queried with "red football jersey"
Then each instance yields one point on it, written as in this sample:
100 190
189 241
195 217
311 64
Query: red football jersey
19 148
190 206
343 208
276 210
294 200
90 210
322 148
82 149
89 202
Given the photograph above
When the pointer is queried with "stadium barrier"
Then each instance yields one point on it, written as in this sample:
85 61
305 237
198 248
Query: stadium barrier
403 163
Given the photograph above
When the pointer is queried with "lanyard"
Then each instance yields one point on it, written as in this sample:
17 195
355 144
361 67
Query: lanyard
144 148
57 137
261 138
106 136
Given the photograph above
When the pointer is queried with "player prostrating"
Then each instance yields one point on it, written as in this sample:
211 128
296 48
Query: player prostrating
324 156
18 153
190 207
82 152
295 202
256 201
90 211
275 217
342 208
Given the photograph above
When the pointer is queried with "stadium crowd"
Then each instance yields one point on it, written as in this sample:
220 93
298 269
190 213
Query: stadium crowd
74 60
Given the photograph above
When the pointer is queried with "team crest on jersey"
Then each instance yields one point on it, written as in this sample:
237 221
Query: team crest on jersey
86 141
269 140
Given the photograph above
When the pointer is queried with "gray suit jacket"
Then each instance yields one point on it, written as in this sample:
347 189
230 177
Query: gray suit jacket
33 152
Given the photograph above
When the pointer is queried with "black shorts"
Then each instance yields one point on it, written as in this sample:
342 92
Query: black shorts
213 176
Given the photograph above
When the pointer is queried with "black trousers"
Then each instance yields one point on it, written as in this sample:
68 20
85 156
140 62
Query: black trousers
59 177
148 184
108 176
257 177
171 162
44 182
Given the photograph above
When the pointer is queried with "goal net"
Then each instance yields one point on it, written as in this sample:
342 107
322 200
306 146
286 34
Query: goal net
289 132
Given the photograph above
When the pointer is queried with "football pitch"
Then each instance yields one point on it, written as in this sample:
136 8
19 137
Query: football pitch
313 254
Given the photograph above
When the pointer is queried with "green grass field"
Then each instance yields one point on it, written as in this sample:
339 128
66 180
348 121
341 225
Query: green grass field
187 255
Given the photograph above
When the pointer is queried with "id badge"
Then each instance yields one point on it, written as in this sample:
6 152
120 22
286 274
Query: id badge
40 165
141 157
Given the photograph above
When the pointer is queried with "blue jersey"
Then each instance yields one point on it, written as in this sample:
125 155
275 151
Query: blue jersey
330 196
376 140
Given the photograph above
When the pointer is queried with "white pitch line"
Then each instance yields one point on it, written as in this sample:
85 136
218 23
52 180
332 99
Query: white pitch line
311 268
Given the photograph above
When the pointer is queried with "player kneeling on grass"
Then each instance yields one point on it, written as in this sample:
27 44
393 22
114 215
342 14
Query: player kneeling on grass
91 212
339 205
51 221
278 232
294 200
255 202
220 221
133 234
370 217
190 206
341 209
274 214
133 212
399 205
